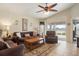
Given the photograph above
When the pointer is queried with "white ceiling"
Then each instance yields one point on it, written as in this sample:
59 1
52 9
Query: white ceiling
29 9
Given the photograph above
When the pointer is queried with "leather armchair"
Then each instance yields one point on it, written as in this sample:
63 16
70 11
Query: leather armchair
51 37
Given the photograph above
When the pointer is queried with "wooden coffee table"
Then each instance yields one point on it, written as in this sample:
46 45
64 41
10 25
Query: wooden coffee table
33 42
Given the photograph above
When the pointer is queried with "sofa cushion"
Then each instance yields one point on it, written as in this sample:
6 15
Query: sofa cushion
11 44
3 45
18 34
22 34
27 35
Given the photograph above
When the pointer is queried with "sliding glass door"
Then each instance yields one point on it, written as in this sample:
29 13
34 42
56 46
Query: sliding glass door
60 30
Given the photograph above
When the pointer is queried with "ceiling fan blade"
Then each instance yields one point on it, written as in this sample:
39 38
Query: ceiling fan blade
41 6
52 5
39 11
53 10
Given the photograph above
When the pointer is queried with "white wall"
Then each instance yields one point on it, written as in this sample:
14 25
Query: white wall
31 24
75 11
11 20
59 17
16 26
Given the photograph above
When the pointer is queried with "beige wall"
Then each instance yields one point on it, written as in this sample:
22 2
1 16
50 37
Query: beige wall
16 26
75 11
31 24
59 17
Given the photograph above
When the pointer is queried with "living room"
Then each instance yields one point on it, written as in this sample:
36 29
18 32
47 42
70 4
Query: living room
37 30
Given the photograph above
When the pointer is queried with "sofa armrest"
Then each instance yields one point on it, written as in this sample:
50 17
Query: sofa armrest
16 51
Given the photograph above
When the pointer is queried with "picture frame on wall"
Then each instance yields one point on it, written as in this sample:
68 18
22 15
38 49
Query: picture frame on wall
24 24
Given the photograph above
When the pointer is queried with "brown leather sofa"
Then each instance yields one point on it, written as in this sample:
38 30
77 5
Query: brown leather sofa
20 40
51 37
23 33
3 45
15 51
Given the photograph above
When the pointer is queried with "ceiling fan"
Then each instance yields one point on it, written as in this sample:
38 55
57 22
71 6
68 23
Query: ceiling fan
47 8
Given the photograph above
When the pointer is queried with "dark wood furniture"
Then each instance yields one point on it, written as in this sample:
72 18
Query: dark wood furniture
33 42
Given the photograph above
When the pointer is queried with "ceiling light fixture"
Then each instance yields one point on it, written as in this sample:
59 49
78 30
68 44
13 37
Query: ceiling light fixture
46 12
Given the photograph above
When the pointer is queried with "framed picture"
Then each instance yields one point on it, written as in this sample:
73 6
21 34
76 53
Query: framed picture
24 24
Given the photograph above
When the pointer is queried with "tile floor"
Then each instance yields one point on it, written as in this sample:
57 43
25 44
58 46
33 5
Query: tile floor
64 49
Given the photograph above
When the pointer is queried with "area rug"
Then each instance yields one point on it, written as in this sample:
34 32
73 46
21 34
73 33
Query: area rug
43 50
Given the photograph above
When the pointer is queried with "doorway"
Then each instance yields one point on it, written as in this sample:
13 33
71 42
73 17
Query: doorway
60 29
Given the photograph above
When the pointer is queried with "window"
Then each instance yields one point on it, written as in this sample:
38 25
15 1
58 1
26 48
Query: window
60 27
52 27
48 27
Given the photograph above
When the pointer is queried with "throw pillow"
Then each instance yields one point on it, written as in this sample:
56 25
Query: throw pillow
27 36
18 34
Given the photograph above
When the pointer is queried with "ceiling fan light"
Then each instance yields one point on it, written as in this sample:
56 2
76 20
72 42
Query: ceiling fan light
46 12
